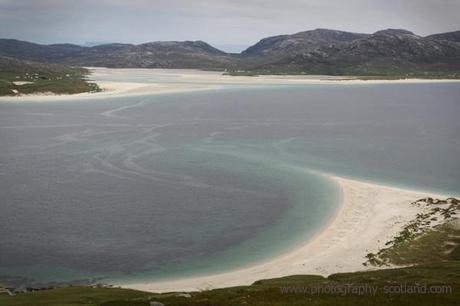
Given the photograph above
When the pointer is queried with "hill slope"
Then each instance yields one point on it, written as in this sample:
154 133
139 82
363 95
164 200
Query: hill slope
168 54
388 52
449 36
300 43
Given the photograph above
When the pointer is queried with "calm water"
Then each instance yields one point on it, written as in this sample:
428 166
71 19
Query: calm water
166 186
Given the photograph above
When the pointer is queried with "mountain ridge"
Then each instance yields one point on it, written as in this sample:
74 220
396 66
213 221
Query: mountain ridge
318 51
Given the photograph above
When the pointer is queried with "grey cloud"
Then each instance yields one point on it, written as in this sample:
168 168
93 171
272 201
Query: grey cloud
222 22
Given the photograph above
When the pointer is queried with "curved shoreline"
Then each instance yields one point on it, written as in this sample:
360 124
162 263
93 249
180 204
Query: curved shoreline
369 211
372 212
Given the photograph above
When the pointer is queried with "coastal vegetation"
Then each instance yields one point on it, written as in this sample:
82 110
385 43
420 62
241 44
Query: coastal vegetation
432 236
428 246
20 77
441 278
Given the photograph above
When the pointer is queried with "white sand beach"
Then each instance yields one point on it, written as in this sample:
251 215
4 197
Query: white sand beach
124 82
369 216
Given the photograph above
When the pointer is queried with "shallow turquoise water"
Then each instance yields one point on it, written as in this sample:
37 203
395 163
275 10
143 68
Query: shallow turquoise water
167 186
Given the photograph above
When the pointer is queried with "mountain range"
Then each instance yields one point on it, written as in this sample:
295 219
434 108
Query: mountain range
390 52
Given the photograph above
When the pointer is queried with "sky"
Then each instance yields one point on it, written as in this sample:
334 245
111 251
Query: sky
231 25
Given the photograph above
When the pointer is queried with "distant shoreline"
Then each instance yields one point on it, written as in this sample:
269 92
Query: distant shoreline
184 80
372 212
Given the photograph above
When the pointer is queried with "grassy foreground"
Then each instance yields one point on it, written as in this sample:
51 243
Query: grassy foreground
433 278
435 284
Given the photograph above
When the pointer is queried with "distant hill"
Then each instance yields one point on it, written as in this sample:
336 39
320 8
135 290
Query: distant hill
40 53
20 67
167 54
390 52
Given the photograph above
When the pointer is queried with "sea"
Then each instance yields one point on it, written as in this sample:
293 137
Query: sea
154 187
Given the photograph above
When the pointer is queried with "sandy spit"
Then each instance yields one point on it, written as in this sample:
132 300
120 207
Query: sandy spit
121 82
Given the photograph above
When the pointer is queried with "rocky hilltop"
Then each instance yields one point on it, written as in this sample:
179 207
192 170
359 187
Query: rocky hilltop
386 52
300 43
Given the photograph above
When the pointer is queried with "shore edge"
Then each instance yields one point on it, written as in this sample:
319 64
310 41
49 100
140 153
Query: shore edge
369 215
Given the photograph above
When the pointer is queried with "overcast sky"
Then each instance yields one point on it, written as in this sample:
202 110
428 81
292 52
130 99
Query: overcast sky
229 24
